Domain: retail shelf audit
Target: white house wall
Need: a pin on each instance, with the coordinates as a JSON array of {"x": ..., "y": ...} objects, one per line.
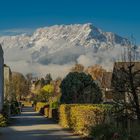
[{"x": 1, "y": 78}]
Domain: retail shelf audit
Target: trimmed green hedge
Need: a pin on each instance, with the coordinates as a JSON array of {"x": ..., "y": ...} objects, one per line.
[{"x": 82, "y": 117}]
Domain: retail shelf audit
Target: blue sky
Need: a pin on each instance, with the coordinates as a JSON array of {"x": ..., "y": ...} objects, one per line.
[{"x": 119, "y": 16}]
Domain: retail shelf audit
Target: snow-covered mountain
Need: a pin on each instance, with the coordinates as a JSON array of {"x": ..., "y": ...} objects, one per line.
[{"x": 63, "y": 44}]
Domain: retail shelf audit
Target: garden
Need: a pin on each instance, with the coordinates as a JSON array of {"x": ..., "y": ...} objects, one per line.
[
  {"x": 79, "y": 107},
  {"x": 76, "y": 103}
]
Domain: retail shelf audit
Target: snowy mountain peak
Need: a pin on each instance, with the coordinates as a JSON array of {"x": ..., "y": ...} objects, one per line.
[
  {"x": 86, "y": 35},
  {"x": 62, "y": 44}
]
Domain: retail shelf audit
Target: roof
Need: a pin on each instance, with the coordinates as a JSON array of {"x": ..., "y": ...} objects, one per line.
[
  {"x": 125, "y": 65},
  {"x": 121, "y": 74}
]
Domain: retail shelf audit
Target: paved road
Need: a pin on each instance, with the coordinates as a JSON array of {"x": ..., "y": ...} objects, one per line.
[{"x": 31, "y": 126}]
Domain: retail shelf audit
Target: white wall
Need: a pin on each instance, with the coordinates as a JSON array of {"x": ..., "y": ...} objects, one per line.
[
  {"x": 1, "y": 78},
  {"x": 7, "y": 83}
]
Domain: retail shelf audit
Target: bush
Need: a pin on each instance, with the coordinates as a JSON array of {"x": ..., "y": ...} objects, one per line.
[
  {"x": 4, "y": 116},
  {"x": 80, "y": 88},
  {"x": 15, "y": 108},
  {"x": 55, "y": 115},
  {"x": 81, "y": 118},
  {"x": 27, "y": 103},
  {"x": 39, "y": 106},
  {"x": 51, "y": 113},
  {"x": 3, "y": 120},
  {"x": 6, "y": 110},
  {"x": 48, "y": 110},
  {"x": 108, "y": 132},
  {"x": 54, "y": 105}
]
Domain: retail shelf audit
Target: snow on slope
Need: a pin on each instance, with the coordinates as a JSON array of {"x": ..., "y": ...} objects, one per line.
[{"x": 61, "y": 45}]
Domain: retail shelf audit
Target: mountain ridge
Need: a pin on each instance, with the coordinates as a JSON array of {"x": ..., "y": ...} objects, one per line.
[
  {"x": 62, "y": 45},
  {"x": 86, "y": 32}
]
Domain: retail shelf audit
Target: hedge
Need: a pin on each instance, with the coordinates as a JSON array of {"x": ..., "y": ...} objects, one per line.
[
  {"x": 39, "y": 106},
  {"x": 81, "y": 118},
  {"x": 44, "y": 109},
  {"x": 54, "y": 105},
  {"x": 49, "y": 110},
  {"x": 27, "y": 103}
]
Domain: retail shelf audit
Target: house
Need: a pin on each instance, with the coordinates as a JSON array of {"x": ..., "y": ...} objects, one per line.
[
  {"x": 1, "y": 78},
  {"x": 106, "y": 87},
  {"x": 121, "y": 79},
  {"x": 37, "y": 85},
  {"x": 7, "y": 83}
]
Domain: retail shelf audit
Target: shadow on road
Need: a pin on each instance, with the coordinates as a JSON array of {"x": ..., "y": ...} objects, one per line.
[{"x": 31, "y": 126}]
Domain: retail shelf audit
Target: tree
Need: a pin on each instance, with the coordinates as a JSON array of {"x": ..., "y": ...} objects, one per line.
[
  {"x": 57, "y": 90},
  {"x": 126, "y": 83},
  {"x": 48, "y": 78},
  {"x": 45, "y": 93},
  {"x": 48, "y": 88},
  {"x": 19, "y": 86},
  {"x": 78, "y": 68},
  {"x": 96, "y": 72},
  {"x": 80, "y": 88},
  {"x": 29, "y": 78}
]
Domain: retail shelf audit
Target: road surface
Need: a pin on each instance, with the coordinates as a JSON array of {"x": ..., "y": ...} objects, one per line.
[{"x": 31, "y": 126}]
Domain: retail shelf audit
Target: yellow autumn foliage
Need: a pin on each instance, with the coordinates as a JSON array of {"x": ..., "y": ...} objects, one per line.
[
  {"x": 48, "y": 88},
  {"x": 80, "y": 117},
  {"x": 39, "y": 105}
]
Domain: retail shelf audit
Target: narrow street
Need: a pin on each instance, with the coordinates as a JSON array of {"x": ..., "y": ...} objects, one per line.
[{"x": 31, "y": 126}]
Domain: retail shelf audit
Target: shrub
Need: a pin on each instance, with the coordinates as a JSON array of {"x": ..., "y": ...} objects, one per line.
[
  {"x": 54, "y": 105},
  {"x": 4, "y": 116},
  {"x": 48, "y": 110},
  {"x": 27, "y": 103},
  {"x": 81, "y": 118},
  {"x": 15, "y": 108},
  {"x": 80, "y": 88},
  {"x": 55, "y": 114},
  {"x": 108, "y": 132},
  {"x": 39, "y": 106},
  {"x": 6, "y": 110},
  {"x": 3, "y": 120}
]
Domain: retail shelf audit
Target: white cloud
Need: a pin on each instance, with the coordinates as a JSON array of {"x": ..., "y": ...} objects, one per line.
[
  {"x": 39, "y": 69},
  {"x": 55, "y": 49},
  {"x": 17, "y": 31},
  {"x": 21, "y": 61},
  {"x": 102, "y": 57}
]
